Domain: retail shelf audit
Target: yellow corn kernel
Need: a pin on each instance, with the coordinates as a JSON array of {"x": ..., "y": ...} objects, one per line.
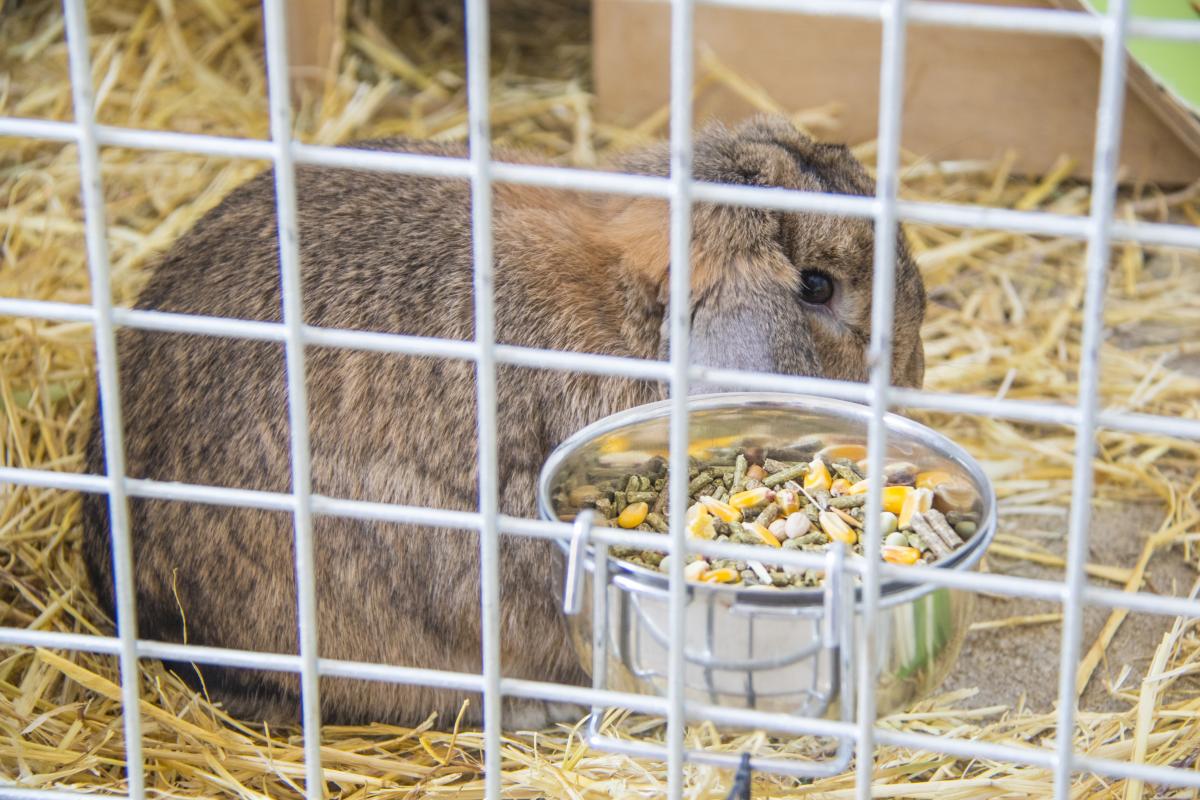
[
  {"x": 702, "y": 446},
  {"x": 932, "y": 479},
  {"x": 788, "y": 501},
  {"x": 702, "y": 527},
  {"x": 854, "y": 452},
  {"x": 695, "y": 570},
  {"x": 901, "y": 555},
  {"x": 722, "y": 575},
  {"x": 840, "y": 486},
  {"x": 614, "y": 444},
  {"x": 749, "y": 498},
  {"x": 695, "y": 510},
  {"x": 894, "y": 497},
  {"x": 722, "y": 511},
  {"x": 817, "y": 476},
  {"x": 918, "y": 501},
  {"x": 836, "y": 528},
  {"x": 761, "y": 532},
  {"x": 633, "y": 515}
]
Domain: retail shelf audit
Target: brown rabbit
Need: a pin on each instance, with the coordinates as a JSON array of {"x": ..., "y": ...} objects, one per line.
[{"x": 786, "y": 293}]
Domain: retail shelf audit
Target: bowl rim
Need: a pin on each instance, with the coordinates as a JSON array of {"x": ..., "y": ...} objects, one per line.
[{"x": 891, "y": 592}]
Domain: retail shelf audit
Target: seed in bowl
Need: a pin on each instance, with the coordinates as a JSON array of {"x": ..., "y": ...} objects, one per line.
[{"x": 795, "y": 498}]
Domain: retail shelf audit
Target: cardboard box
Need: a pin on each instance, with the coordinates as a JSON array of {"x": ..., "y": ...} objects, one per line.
[{"x": 969, "y": 94}]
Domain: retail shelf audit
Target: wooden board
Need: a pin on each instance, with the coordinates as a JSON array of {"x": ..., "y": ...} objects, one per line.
[{"x": 968, "y": 93}]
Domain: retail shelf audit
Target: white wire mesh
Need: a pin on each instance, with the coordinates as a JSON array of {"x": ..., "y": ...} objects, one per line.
[
  {"x": 679, "y": 311},
  {"x": 879, "y": 357},
  {"x": 1098, "y": 228},
  {"x": 279, "y": 99},
  {"x": 1104, "y": 188}
]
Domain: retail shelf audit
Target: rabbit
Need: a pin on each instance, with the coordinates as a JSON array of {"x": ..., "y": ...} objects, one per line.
[{"x": 771, "y": 291}]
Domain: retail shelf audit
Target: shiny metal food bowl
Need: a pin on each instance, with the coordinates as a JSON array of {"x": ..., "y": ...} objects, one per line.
[{"x": 780, "y": 650}]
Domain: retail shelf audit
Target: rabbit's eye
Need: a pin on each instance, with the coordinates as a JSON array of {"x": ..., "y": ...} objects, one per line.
[{"x": 815, "y": 287}]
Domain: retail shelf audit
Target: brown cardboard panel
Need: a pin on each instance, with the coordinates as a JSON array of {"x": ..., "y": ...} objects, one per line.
[
  {"x": 1183, "y": 121},
  {"x": 968, "y": 94}
]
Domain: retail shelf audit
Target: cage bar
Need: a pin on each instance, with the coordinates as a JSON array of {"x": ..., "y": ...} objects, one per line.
[
  {"x": 479, "y": 127},
  {"x": 279, "y": 98},
  {"x": 679, "y": 312},
  {"x": 96, "y": 235},
  {"x": 1104, "y": 189},
  {"x": 879, "y": 358}
]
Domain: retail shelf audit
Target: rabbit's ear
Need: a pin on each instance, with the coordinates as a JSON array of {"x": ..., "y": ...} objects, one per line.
[{"x": 641, "y": 231}]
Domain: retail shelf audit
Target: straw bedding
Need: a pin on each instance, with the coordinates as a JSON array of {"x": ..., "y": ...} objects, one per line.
[{"x": 1004, "y": 319}]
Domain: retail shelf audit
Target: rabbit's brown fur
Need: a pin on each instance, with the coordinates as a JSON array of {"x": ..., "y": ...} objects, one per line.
[{"x": 385, "y": 252}]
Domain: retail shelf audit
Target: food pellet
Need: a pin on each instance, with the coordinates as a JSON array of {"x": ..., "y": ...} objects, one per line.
[{"x": 800, "y": 497}]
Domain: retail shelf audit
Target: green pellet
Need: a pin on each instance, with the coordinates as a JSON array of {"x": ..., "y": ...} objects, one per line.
[
  {"x": 739, "y": 473},
  {"x": 788, "y": 474},
  {"x": 845, "y": 468},
  {"x": 767, "y": 515},
  {"x": 702, "y": 478},
  {"x": 848, "y": 501}
]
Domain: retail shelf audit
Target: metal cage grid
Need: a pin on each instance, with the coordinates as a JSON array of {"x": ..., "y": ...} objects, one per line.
[{"x": 1098, "y": 229}]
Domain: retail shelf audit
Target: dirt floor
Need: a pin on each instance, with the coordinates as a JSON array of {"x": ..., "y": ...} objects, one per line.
[{"x": 1019, "y": 664}]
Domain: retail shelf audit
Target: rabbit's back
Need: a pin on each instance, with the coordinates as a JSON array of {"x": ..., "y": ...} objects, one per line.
[{"x": 379, "y": 252}]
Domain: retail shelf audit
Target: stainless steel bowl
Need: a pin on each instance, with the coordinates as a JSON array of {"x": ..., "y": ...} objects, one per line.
[{"x": 780, "y": 650}]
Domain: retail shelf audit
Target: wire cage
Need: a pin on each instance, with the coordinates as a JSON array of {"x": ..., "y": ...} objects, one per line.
[{"x": 1098, "y": 228}]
